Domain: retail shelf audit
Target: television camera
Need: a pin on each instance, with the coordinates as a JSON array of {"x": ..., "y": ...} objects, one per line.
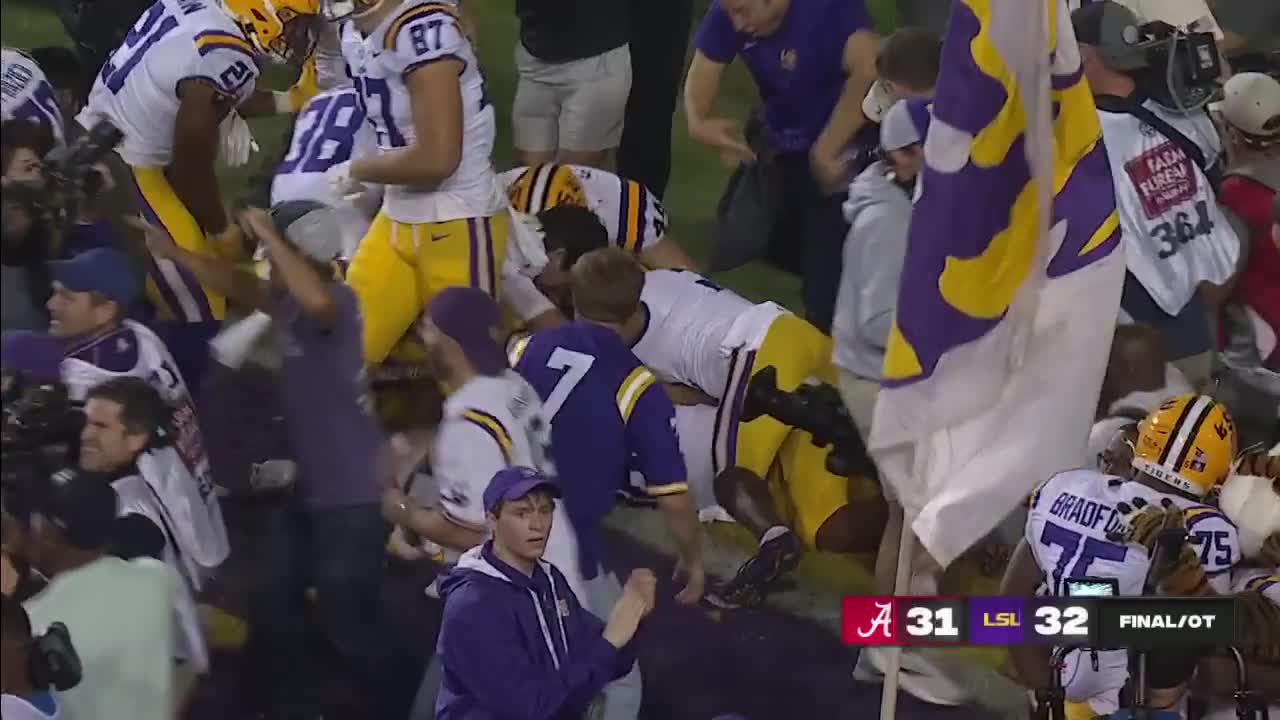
[
  {"x": 1181, "y": 67},
  {"x": 69, "y": 176},
  {"x": 39, "y": 437}
]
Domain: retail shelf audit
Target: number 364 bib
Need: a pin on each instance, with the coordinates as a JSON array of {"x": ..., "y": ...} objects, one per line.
[{"x": 1175, "y": 235}]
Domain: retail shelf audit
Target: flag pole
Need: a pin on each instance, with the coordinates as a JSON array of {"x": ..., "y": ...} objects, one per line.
[{"x": 901, "y": 582}]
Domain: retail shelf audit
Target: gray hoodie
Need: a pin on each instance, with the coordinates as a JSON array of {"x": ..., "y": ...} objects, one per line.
[{"x": 879, "y": 214}]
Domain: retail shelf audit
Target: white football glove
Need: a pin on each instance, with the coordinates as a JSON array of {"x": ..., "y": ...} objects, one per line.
[
  {"x": 237, "y": 141},
  {"x": 341, "y": 182}
]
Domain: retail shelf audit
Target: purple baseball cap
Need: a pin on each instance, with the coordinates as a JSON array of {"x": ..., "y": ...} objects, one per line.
[
  {"x": 36, "y": 355},
  {"x": 513, "y": 483},
  {"x": 470, "y": 316}
]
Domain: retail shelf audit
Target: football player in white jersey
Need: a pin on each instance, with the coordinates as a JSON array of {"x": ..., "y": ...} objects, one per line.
[
  {"x": 183, "y": 68},
  {"x": 492, "y": 419},
  {"x": 330, "y": 130},
  {"x": 25, "y": 93},
  {"x": 634, "y": 217},
  {"x": 769, "y": 476},
  {"x": 444, "y": 219},
  {"x": 1078, "y": 526}
]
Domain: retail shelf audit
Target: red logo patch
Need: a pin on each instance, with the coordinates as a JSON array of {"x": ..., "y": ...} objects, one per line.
[{"x": 1164, "y": 177}]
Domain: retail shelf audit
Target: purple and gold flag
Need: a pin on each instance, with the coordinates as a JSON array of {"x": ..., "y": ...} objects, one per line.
[{"x": 1011, "y": 285}]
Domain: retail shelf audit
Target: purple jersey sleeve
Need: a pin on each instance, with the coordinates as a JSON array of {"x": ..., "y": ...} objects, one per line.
[
  {"x": 655, "y": 447},
  {"x": 716, "y": 38}
]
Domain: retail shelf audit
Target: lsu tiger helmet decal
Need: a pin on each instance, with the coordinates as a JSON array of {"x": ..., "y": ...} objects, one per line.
[
  {"x": 1189, "y": 442},
  {"x": 546, "y": 186},
  {"x": 283, "y": 30}
]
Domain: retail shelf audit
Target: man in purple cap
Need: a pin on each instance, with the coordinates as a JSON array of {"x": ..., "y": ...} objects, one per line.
[
  {"x": 515, "y": 641},
  {"x": 492, "y": 419}
]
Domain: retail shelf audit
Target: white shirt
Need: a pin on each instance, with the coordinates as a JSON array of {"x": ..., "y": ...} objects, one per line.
[
  {"x": 186, "y": 486},
  {"x": 689, "y": 320},
  {"x": 138, "y": 88},
  {"x": 134, "y": 496},
  {"x": 120, "y": 617},
  {"x": 25, "y": 92},
  {"x": 330, "y": 130},
  {"x": 491, "y": 423},
  {"x": 423, "y": 32},
  {"x": 1174, "y": 233},
  {"x": 13, "y": 707}
]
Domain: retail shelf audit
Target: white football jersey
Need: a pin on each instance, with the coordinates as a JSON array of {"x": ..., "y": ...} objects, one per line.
[
  {"x": 422, "y": 32},
  {"x": 689, "y": 320},
  {"x": 633, "y": 216},
  {"x": 491, "y": 423},
  {"x": 25, "y": 93},
  {"x": 137, "y": 89},
  {"x": 1074, "y": 514},
  {"x": 330, "y": 130},
  {"x": 1174, "y": 233},
  {"x": 181, "y": 475},
  {"x": 1068, "y": 529}
]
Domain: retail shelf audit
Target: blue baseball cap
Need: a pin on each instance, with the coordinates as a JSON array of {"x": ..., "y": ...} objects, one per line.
[
  {"x": 35, "y": 355},
  {"x": 470, "y": 316},
  {"x": 513, "y": 483},
  {"x": 108, "y": 272}
]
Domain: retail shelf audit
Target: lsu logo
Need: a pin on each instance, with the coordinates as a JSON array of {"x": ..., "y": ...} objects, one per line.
[{"x": 1003, "y": 619}]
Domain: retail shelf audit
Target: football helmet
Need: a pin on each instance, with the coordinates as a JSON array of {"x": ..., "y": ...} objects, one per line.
[
  {"x": 283, "y": 30},
  {"x": 546, "y": 186},
  {"x": 1189, "y": 442}
]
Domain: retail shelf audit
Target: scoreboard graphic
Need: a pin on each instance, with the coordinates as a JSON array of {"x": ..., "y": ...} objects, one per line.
[{"x": 1143, "y": 623}]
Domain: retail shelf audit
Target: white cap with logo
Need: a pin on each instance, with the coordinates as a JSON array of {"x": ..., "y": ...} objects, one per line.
[{"x": 1251, "y": 105}]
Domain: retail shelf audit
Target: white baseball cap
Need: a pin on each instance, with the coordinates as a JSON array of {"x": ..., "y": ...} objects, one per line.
[
  {"x": 905, "y": 124},
  {"x": 877, "y": 102},
  {"x": 1251, "y": 104}
]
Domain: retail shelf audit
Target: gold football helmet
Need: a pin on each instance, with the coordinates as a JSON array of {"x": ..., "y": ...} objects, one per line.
[
  {"x": 546, "y": 186},
  {"x": 283, "y": 30},
  {"x": 1189, "y": 442}
]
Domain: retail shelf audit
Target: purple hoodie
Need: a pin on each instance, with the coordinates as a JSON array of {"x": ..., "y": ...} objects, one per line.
[{"x": 517, "y": 647}]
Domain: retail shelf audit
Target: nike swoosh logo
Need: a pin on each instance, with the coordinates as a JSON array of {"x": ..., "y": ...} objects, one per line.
[{"x": 438, "y": 238}]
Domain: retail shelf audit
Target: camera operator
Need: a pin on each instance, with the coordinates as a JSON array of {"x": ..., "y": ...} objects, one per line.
[
  {"x": 24, "y": 669},
  {"x": 27, "y": 233},
  {"x": 125, "y": 418},
  {"x": 1165, "y": 159},
  {"x": 119, "y": 612}
]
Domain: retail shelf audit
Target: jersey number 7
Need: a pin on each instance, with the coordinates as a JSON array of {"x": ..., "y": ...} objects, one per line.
[{"x": 575, "y": 366}]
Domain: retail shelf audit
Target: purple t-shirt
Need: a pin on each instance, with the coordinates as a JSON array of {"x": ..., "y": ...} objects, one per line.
[
  {"x": 327, "y": 407},
  {"x": 799, "y": 70}
]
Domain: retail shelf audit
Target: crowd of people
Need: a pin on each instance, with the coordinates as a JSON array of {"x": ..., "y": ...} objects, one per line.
[{"x": 415, "y": 357}]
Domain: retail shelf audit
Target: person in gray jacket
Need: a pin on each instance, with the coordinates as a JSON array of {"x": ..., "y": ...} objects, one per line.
[{"x": 879, "y": 215}]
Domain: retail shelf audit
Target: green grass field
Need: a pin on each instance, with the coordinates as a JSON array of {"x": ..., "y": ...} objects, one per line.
[{"x": 697, "y": 177}]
